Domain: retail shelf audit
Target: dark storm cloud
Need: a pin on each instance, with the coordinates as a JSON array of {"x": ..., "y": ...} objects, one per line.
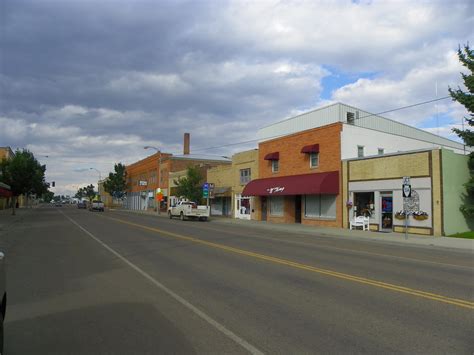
[
  {"x": 66, "y": 51},
  {"x": 92, "y": 82}
]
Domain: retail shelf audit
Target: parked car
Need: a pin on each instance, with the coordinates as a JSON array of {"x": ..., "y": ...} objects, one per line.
[
  {"x": 3, "y": 295},
  {"x": 97, "y": 205},
  {"x": 187, "y": 209},
  {"x": 58, "y": 204},
  {"x": 82, "y": 204}
]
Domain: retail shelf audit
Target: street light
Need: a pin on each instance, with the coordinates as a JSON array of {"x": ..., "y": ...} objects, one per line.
[
  {"x": 100, "y": 179},
  {"x": 151, "y": 147},
  {"x": 100, "y": 176}
]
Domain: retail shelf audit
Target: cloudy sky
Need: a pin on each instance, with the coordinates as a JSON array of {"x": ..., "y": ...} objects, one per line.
[{"x": 85, "y": 84}]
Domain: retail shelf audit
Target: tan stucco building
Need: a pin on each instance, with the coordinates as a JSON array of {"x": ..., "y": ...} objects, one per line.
[
  {"x": 105, "y": 197},
  {"x": 372, "y": 186},
  {"x": 229, "y": 182}
]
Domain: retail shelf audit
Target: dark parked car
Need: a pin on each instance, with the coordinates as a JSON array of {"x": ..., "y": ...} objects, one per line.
[{"x": 82, "y": 204}]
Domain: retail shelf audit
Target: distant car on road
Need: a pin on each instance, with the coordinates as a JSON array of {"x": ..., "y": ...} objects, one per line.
[
  {"x": 3, "y": 295},
  {"x": 58, "y": 204},
  {"x": 82, "y": 204},
  {"x": 97, "y": 205}
]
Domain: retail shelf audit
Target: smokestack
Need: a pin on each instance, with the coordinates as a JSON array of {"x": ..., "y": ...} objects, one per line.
[{"x": 187, "y": 140}]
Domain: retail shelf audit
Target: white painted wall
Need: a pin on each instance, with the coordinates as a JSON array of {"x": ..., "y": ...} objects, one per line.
[
  {"x": 352, "y": 136},
  {"x": 420, "y": 185}
]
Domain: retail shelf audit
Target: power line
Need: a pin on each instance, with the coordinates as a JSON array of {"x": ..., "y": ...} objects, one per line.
[{"x": 369, "y": 115}]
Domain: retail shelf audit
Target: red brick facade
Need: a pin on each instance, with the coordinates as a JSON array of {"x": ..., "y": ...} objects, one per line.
[{"x": 293, "y": 162}]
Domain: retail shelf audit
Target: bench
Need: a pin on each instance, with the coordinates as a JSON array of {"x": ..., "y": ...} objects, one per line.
[{"x": 360, "y": 221}]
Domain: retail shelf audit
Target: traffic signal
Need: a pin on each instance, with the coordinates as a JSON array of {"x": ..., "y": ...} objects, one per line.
[{"x": 53, "y": 183}]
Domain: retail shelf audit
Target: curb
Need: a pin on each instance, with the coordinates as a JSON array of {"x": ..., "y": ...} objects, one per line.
[{"x": 458, "y": 244}]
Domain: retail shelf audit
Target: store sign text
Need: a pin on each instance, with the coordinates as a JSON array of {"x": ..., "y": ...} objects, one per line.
[{"x": 276, "y": 189}]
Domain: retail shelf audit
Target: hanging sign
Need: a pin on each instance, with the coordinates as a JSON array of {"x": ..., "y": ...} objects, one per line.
[
  {"x": 205, "y": 190},
  {"x": 406, "y": 187}
]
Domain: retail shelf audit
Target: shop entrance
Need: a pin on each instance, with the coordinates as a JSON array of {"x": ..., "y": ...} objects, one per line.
[
  {"x": 386, "y": 205},
  {"x": 242, "y": 208},
  {"x": 298, "y": 209},
  {"x": 264, "y": 208}
]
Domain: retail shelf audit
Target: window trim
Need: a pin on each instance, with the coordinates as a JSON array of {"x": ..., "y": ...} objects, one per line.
[
  {"x": 311, "y": 160},
  {"x": 244, "y": 179},
  {"x": 275, "y": 162}
]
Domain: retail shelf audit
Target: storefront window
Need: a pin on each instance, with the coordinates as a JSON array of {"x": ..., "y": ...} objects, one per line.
[
  {"x": 276, "y": 205},
  {"x": 364, "y": 203},
  {"x": 320, "y": 206}
]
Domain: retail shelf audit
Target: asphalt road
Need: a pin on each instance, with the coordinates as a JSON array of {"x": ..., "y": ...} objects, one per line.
[{"x": 83, "y": 282}]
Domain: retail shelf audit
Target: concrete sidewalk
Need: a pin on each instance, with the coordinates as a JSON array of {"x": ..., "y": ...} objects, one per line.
[{"x": 382, "y": 237}]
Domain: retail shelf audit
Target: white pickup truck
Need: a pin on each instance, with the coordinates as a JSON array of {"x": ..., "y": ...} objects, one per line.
[
  {"x": 97, "y": 205},
  {"x": 186, "y": 209}
]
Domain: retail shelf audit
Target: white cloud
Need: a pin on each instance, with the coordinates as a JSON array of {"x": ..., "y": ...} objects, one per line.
[
  {"x": 417, "y": 85},
  {"x": 171, "y": 84},
  {"x": 217, "y": 70}
]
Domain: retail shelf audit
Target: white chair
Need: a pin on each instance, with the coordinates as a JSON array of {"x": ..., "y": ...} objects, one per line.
[{"x": 360, "y": 221}]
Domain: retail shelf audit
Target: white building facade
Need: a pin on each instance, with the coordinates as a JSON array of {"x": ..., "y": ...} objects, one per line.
[{"x": 363, "y": 133}]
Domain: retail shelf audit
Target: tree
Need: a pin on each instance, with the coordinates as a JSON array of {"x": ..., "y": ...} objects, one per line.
[
  {"x": 116, "y": 183},
  {"x": 90, "y": 192},
  {"x": 80, "y": 194},
  {"x": 190, "y": 186},
  {"x": 48, "y": 196},
  {"x": 24, "y": 174},
  {"x": 466, "y": 99}
]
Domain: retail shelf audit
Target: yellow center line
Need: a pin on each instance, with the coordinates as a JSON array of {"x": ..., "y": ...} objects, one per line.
[
  {"x": 340, "y": 275},
  {"x": 298, "y": 242}
]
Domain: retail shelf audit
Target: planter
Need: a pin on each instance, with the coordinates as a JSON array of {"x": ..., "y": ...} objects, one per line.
[
  {"x": 400, "y": 216},
  {"x": 420, "y": 218}
]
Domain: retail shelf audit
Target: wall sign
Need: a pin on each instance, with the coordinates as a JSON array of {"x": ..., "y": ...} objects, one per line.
[
  {"x": 276, "y": 189},
  {"x": 406, "y": 187}
]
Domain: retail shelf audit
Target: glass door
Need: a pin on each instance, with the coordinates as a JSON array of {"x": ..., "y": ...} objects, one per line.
[{"x": 386, "y": 214}]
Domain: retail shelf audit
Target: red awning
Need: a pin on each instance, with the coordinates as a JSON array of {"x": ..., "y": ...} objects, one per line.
[
  {"x": 313, "y": 148},
  {"x": 272, "y": 156},
  {"x": 5, "y": 192},
  {"x": 307, "y": 184}
]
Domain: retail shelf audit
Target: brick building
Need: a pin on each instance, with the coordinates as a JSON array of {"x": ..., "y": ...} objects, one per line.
[
  {"x": 299, "y": 178},
  {"x": 147, "y": 175},
  {"x": 143, "y": 178},
  {"x": 300, "y": 161}
]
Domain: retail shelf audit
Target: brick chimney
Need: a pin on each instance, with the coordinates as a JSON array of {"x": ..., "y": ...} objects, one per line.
[{"x": 187, "y": 139}]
